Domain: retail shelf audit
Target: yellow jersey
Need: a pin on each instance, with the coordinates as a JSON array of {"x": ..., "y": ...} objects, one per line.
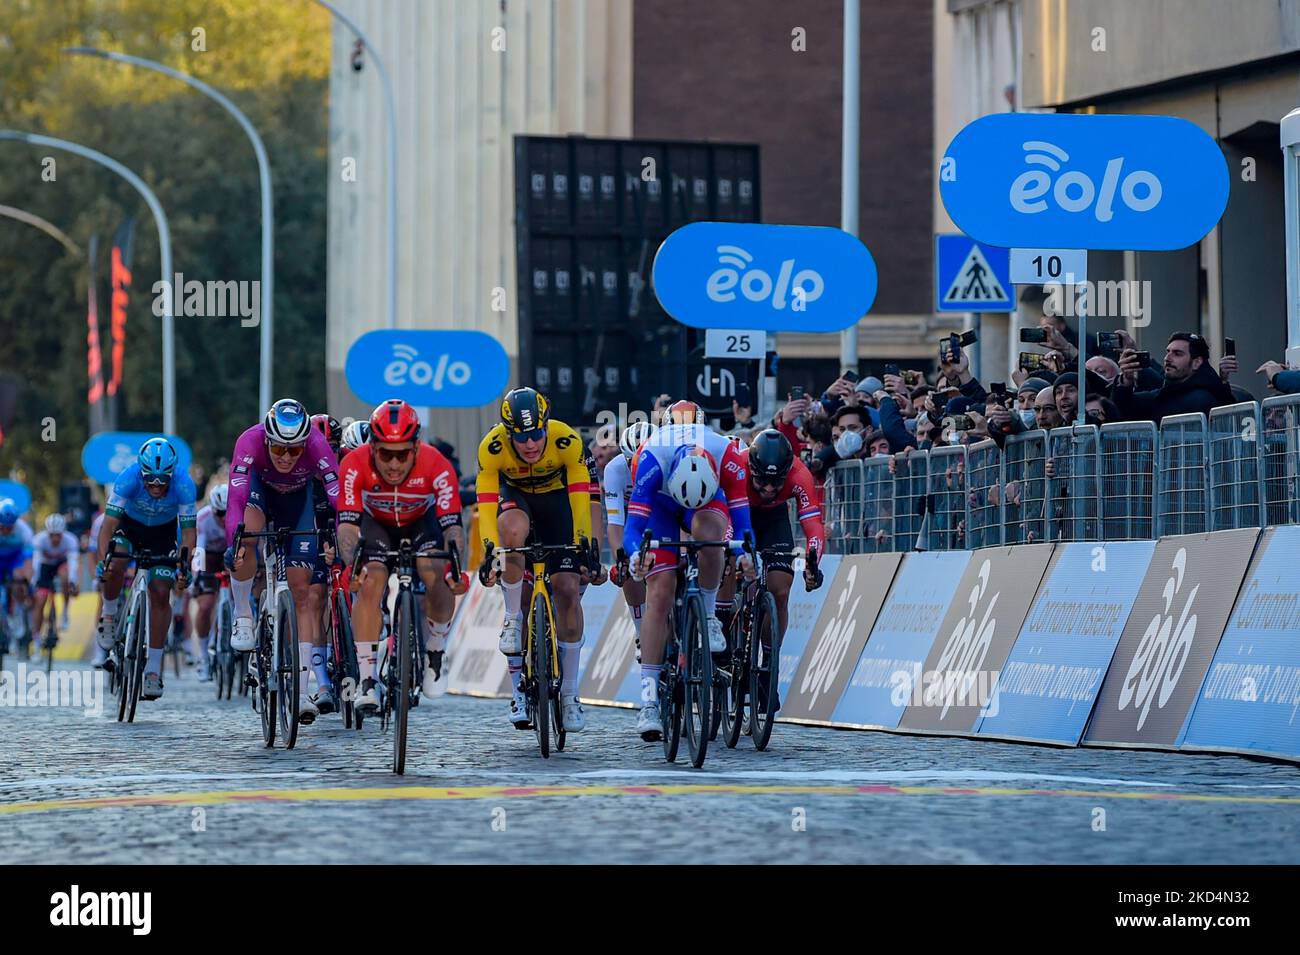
[{"x": 562, "y": 465}]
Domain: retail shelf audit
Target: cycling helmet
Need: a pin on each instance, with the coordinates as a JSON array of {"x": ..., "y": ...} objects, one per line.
[
  {"x": 685, "y": 412},
  {"x": 355, "y": 435},
  {"x": 633, "y": 436},
  {"x": 692, "y": 478},
  {"x": 525, "y": 413},
  {"x": 329, "y": 426},
  {"x": 56, "y": 524},
  {"x": 157, "y": 459},
  {"x": 770, "y": 457},
  {"x": 394, "y": 422},
  {"x": 217, "y": 497},
  {"x": 8, "y": 512},
  {"x": 287, "y": 423}
]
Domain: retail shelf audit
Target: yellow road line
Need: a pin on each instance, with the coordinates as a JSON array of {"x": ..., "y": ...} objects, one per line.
[{"x": 379, "y": 794}]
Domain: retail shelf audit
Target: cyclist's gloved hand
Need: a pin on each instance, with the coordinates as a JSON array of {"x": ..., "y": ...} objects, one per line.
[
  {"x": 487, "y": 570},
  {"x": 457, "y": 585}
]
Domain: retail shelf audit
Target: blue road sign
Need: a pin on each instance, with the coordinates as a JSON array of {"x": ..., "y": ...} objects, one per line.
[
  {"x": 17, "y": 493},
  {"x": 108, "y": 453},
  {"x": 971, "y": 276}
]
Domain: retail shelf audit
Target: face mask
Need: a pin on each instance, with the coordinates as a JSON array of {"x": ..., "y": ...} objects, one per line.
[
  {"x": 849, "y": 444},
  {"x": 1029, "y": 418},
  {"x": 954, "y": 438}
]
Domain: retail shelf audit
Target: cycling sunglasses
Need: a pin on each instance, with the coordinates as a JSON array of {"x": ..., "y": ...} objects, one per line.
[
  {"x": 387, "y": 455},
  {"x": 158, "y": 481},
  {"x": 281, "y": 450},
  {"x": 529, "y": 437},
  {"x": 770, "y": 483}
]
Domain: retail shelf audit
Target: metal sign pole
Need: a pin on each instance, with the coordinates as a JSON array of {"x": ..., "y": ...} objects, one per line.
[{"x": 1290, "y": 137}]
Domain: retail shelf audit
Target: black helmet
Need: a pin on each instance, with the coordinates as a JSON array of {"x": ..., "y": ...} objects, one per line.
[
  {"x": 525, "y": 413},
  {"x": 770, "y": 457}
]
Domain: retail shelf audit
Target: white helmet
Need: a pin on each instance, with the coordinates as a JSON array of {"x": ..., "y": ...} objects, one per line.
[
  {"x": 633, "y": 436},
  {"x": 287, "y": 422},
  {"x": 356, "y": 434},
  {"x": 56, "y": 524},
  {"x": 692, "y": 479},
  {"x": 217, "y": 497}
]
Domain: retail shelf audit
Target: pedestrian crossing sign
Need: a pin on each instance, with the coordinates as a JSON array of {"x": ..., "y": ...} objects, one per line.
[{"x": 971, "y": 276}]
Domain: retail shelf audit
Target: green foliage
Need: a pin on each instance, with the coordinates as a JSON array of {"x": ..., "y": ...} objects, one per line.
[{"x": 271, "y": 57}]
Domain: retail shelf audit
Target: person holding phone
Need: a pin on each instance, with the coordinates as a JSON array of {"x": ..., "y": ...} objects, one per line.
[{"x": 1191, "y": 384}]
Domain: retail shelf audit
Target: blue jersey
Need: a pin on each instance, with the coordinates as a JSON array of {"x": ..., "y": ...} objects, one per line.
[
  {"x": 16, "y": 543},
  {"x": 131, "y": 498}
]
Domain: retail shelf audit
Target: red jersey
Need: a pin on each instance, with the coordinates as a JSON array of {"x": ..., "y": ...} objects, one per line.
[
  {"x": 799, "y": 484},
  {"x": 432, "y": 483}
]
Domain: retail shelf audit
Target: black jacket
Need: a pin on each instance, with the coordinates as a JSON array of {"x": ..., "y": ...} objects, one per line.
[{"x": 1200, "y": 391}]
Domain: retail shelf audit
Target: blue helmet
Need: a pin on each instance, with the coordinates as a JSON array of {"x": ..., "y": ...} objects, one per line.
[
  {"x": 8, "y": 512},
  {"x": 157, "y": 460},
  {"x": 287, "y": 422}
]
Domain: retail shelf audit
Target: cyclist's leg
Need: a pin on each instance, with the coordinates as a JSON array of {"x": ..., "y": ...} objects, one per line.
[
  {"x": 772, "y": 529},
  {"x": 366, "y": 611},
  {"x": 318, "y": 604},
  {"x": 660, "y": 588},
  {"x": 514, "y": 524},
  {"x": 711, "y": 522},
  {"x": 439, "y": 603},
  {"x": 44, "y": 591},
  {"x": 553, "y": 524},
  {"x": 115, "y": 576},
  {"x": 241, "y": 579},
  {"x": 67, "y": 593}
]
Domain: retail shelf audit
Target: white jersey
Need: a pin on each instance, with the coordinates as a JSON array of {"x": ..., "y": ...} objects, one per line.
[
  {"x": 616, "y": 484},
  {"x": 211, "y": 532},
  {"x": 50, "y": 550}
]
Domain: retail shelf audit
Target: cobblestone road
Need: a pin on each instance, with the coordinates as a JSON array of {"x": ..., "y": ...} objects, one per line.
[{"x": 191, "y": 783}]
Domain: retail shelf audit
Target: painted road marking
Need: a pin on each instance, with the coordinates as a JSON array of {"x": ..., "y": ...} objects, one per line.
[{"x": 415, "y": 793}]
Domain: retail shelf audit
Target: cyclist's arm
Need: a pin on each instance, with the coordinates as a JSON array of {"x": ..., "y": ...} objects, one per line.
[
  {"x": 734, "y": 480},
  {"x": 578, "y": 480},
  {"x": 107, "y": 528},
  {"x": 810, "y": 513},
  {"x": 487, "y": 487},
  {"x": 649, "y": 479},
  {"x": 327, "y": 466},
  {"x": 446, "y": 501},
  {"x": 613, "y": 493},
  {"x": 74, "y": 555},
  {"x": 352, "y": 480}
]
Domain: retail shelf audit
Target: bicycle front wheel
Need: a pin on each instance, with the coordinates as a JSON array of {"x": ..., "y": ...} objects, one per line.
[
  {"x": 137, "y": 651},
  {"x": 764, "y": 671},
  {"x": 697, "y": 709},
  {"x": 268, "y": 697},
  {"x": 407, "y": 642},
  {"x": 348, "y": 674},
  {"x": 290, "y": 667},
  {"x": 539, "y": 647},
  {"x": 733, "y": 702}
]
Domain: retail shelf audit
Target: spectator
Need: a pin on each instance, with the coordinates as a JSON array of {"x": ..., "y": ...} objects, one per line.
[
  {"x": 742, "y": 408},
  {"x": 1045, "y": 412},
  {"x": 893, "y": 426},
  {"x": 1025, "y": 399},
  {"x": 1104, "y": 368},
  {"x": 1102, "y": 409},
  {"x": 877, "y": 445},
  {"x": 1280, "y": 378},
  {"x": 1190, "y": 382},
  {"x": 1065, "y": 392}
]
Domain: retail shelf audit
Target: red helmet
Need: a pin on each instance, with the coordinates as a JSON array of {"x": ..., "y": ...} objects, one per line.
[
  {"x": 684, "y": 412},
  {"x": 329, "y": 426},
  {"x": 394, "y": 422}
]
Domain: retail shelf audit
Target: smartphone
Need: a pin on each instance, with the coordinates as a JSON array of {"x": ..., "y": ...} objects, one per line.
[
  {"x": 950, "y": 348},
  {"x": 851, "y": 376},
  {"x": 1229, "y": 347},
  {"x": 1033, "y": 336},
  {"x": 1144, "y": 359},
  {"x": 961, "y": 422},
  {"x": 1109, "y": 342},
  {"x": 1030, "y": 361},
  {"x": 911, "y": 378},
  {"x": 891, "y": 368},
  {"x": 796, "y": 392},
  {"x": 998, "y": 389}
]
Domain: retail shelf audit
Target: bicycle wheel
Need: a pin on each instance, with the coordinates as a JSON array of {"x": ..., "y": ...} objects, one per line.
[
  {"x": 51, "y": 635},
  {"x": 764, "y": 670},
  {"x": 539, "y": 647},
  {"x": 347, "y": 672},
  {"x": 670, "y": 707},
  {"x": 290, "y": 664},
  {"x": 733, "y": 714},
  {"x": 226, "y": 657},
  {"x": 137, "y": 650},
  {"x": 407, "y": 643},
  {"x": 267, "y": 693},
  {"x": 120, "y": 682},
  {"x": 697, "y": 709}
]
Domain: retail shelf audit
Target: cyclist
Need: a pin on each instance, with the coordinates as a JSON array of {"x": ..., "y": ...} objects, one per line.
[
  {"x": 92, "y": 545},
  {"x": 776, "y": 476},
  {"x": 686, "y": 478},
  {"x": 15, "y": 561},
  {"x": 684, "y": 412},
  {"x": 355, "y": 435},
  {"x": 150, "y": 499},
  {"x": 400, "y": 488},
  {"x": 325, "y": 698},
  {"x": 533, "y": 480},
  {"x": 271, "y": 474},
  {"x": 56, "y": 553},
  {"x": 617, "y": 483},
  {"x": 209, "y": 558}
]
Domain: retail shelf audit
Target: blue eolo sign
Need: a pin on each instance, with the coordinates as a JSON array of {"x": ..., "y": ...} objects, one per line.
[
  {"x": 1029, "y": 180},
  {"x": 436, "y": 368},
  {"x": 778, "y": 278},
  {"x": 16, "y": 492},
  {"x": 107, "y": 454}
]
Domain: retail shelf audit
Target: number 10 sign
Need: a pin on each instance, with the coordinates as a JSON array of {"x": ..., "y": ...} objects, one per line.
[
  {"x": 735, "y": 343},
  {"x": 1049, "y": 266}
]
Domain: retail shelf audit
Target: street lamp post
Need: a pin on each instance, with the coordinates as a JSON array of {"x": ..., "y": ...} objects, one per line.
[
  {"x": 268, "y": 211},
  {"x": 49, "y": 228},
  {"x": 164, "y": 253},
  {"x": 391, "y": 109}
]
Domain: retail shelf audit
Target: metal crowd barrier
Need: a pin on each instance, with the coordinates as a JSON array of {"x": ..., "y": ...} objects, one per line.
[
  {"x": 1280, "y": 455},
  {"x": 1128, "y": 467},
  {"x": 1182, "y": 504},
  {"x": 1236, "y": 479},
  {"x": 1129, "y": 480},
  {"x": 1072, "y": 492}
]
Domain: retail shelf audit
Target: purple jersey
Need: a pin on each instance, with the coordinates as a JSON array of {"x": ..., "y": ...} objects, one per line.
[{"x": 251, "y": 457}]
